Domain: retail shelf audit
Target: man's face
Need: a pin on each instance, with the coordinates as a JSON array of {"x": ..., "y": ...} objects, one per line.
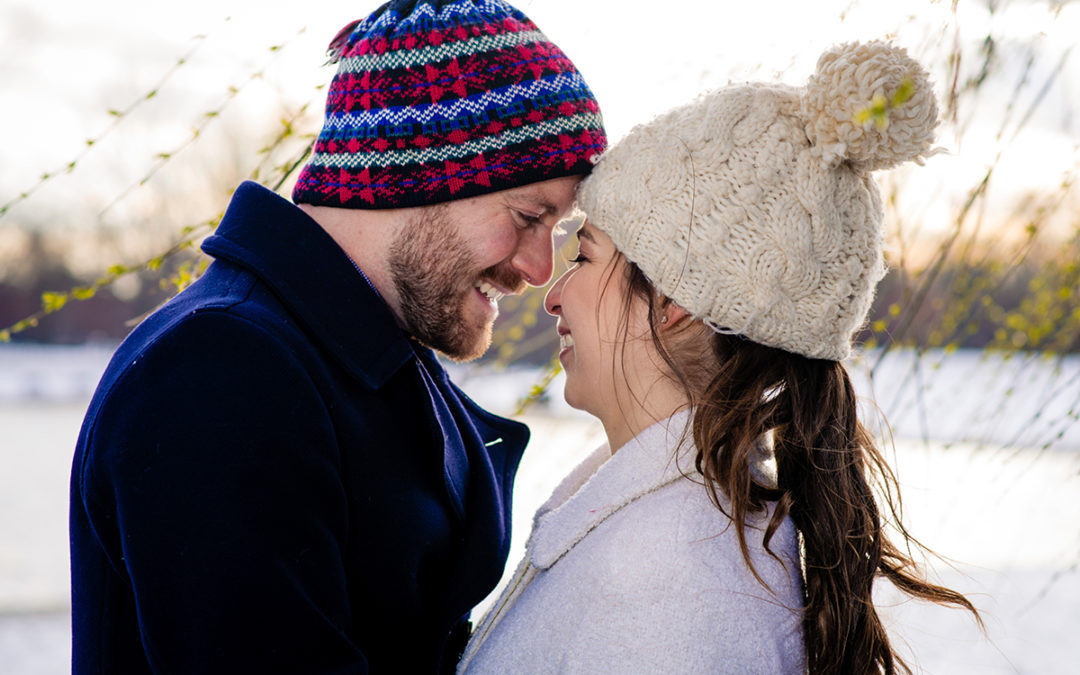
[{"x": 452, "y": 262}]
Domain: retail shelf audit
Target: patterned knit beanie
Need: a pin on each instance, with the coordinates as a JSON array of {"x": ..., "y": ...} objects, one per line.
[
  {"x": 445, "y": 99},
  {"x": 753, "y": 207}
]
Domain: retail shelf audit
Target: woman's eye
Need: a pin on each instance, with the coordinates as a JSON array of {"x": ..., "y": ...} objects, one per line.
[{"x": 578, "y": 259}]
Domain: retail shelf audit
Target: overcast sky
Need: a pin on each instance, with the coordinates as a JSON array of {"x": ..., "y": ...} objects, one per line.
[{"x": 66, "y": 63}]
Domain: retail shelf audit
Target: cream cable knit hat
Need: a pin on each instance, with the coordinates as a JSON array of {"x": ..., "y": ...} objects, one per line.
[{"x": 753, "y": 207}]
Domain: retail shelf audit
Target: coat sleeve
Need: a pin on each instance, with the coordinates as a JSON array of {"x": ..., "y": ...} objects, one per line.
[{"x": 213, "y": 484}]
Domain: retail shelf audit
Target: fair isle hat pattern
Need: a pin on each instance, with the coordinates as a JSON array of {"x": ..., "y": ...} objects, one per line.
[
  {"x": 754, "y": 207},
  {"x": 437, "y": 100}
]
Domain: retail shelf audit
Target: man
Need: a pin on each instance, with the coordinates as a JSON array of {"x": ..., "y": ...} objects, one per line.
[{"x": 275, "y": 474}]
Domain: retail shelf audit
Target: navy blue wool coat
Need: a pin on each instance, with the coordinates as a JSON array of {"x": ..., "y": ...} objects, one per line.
[{"x": 273, "y": 478}]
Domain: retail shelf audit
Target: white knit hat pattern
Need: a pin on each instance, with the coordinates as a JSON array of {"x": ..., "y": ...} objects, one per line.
[{"x": 754, "y": 208}]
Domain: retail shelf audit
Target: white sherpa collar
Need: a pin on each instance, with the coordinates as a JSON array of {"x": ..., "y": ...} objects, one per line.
[{"x": 600, "y": 486}]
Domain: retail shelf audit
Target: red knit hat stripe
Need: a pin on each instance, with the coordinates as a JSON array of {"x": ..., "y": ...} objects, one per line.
[
  {"x": 436, "y": 182},
  {"x": 446, "y": 80}
]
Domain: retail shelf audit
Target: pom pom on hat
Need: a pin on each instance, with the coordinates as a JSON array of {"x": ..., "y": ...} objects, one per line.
[{"x": 870, "y": 104}]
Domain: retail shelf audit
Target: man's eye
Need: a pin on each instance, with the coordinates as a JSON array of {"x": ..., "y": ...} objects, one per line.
[{"x": 528, "y": 220}]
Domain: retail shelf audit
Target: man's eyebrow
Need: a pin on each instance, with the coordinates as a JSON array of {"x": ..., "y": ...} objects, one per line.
[{"x": 544, "y": 206}]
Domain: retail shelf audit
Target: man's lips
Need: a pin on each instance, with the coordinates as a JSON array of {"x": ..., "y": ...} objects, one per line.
[{"x": 490, "y": 291}]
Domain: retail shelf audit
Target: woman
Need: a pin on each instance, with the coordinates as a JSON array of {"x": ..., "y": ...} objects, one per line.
[{"x": 732, "y": 523}]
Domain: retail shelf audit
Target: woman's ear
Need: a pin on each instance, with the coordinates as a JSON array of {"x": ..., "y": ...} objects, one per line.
[{"x": 671, "y": 313}]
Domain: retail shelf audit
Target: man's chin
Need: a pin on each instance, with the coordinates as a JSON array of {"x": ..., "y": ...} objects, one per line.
[
  {"x": 469, "y": 352},
  {"x": 460, "y": 348}
]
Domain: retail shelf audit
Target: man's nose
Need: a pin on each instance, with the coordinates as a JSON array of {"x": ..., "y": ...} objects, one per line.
[{"x": 534, "y": 257}]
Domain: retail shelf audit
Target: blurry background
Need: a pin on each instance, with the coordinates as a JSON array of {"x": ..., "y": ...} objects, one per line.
[{"x": 125, "y": 126}]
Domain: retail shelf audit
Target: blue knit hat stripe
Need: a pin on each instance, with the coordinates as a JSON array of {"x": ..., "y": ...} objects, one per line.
[
  {"x": 425, "y": 17},
  {"x": 550, "y": 90}
]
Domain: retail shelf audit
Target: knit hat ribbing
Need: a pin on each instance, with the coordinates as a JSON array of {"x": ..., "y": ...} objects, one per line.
[
  {"x": 445, "y": 99},
  {"x": 754, "y": 208}
]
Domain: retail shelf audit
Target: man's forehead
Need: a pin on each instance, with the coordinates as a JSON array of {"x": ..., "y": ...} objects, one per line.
[{"x": 553, "y": 195}]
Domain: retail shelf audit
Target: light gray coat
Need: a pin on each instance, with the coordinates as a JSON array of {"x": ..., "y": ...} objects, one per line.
[{"x": 631, "y": 568}]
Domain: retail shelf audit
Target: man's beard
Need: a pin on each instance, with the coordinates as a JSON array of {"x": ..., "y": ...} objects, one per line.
[{"x": 434, "y": 271}]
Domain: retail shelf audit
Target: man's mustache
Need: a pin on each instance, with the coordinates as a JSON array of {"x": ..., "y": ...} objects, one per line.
[{"x": 504, "y": 276}]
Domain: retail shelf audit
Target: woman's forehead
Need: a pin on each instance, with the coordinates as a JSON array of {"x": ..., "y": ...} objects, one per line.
[{"x": 593, "y": 234}]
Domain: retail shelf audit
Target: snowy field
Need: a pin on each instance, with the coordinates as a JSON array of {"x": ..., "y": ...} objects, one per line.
[{"x": 987, "y": 450}]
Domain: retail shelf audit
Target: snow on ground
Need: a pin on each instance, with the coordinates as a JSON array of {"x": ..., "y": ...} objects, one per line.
[
  {"x": 35, "y": 644},
  {"x": 1008, "y": 518},
  {"x": 36, "y": 442}
]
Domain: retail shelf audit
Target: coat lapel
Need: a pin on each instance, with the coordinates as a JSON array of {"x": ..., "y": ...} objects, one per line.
[
  {"x": 481, "y": 452},
  {"x": 307, "y": 270},
  {"x": 598, "y": 488}
]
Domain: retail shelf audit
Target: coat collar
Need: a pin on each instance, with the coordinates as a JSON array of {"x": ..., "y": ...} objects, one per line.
[
  {"x": 314, "y": 278},
  {"x": 601, "y": 486}
]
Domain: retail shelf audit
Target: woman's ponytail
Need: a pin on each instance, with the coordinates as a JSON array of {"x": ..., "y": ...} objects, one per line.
[{"x": 830, "y": 477}]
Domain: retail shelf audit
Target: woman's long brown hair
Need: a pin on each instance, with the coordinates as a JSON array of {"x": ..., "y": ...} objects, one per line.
[{"x": 827, "y": 470}]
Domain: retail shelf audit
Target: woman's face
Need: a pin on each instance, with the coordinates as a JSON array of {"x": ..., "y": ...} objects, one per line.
[{"x": 603, "y": 353}]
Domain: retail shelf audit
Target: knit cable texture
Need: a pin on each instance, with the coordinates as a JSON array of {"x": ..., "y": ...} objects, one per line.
[{"x": 753, "y": 207}]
